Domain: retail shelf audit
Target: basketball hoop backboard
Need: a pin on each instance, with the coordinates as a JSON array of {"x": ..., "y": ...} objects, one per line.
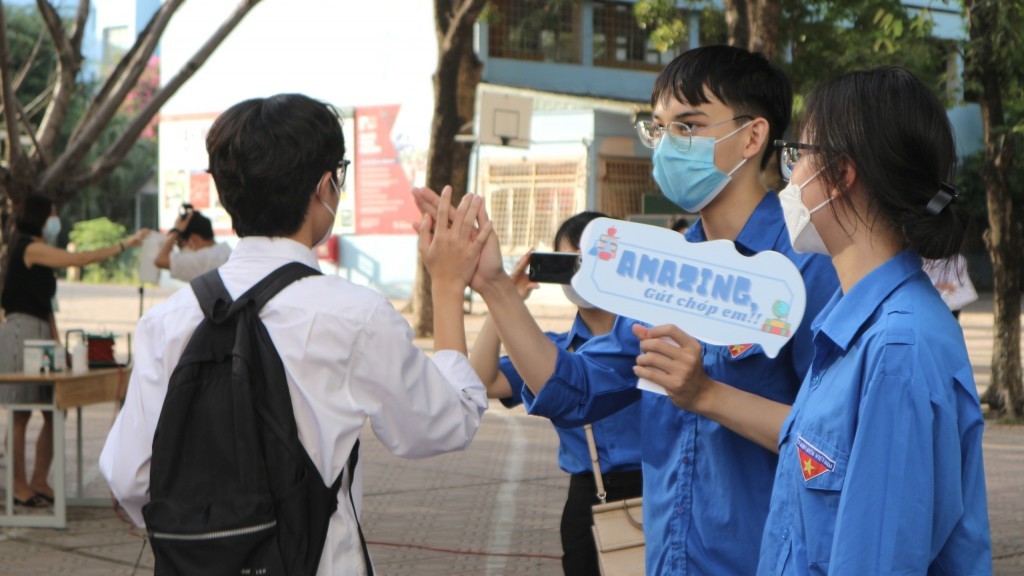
[{"x": 505, "y": 119}]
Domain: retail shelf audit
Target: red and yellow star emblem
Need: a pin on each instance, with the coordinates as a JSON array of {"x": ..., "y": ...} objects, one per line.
[{"x": 738, "y": 349}]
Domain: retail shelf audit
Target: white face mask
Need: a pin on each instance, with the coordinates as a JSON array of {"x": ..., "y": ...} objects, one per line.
[
  {"x": 802, "y": 234},
  {"x": 51, "y": 230},
  {"x": 575, "y": 298},
  {"x": 330, "y": 228}
]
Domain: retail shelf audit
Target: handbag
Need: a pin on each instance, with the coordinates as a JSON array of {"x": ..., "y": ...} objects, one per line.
[{"x": 618, "y": 526}]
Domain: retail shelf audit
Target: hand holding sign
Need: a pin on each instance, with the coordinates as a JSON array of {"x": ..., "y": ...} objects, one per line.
[{"x": 708, "y": 289}]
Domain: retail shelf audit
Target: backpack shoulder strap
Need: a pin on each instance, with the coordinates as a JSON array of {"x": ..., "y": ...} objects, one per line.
[
  {"x": 353, "y": 459},
  {"x": 214, "y": 299},
  {"x": 268, "y": 287}
]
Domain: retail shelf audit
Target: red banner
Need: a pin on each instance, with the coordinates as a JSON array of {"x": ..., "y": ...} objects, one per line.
[{"x": 383, "y": 202}]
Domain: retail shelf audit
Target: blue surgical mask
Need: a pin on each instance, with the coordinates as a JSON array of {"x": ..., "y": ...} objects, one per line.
[
  {"x": 51, "y": 230},
  {"x": 690, "y": 179}
]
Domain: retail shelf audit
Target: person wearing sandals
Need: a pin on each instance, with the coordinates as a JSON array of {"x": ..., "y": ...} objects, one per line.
[{"x": 27, "y": 300}]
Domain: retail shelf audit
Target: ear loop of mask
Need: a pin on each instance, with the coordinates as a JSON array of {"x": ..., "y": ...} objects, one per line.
[{"x": 730, "y": 135}]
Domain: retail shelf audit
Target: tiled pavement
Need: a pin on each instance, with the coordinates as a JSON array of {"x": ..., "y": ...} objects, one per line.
[{"x": 491, "y": 510}]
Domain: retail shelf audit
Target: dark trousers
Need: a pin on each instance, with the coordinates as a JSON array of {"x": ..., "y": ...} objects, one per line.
[{"x": 579, "y": 551}]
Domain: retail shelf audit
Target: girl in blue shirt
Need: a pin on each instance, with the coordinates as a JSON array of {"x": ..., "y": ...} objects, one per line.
[
  {"x": 880, "y": 459},
  {"x": 600, "y": 346}
]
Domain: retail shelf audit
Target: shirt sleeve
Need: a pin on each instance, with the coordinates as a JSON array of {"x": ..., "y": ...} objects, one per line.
[
  {"x": 515, "y": 381},
  {"x": 187, "y": 265},
  {"x": 906, "y": 488},
  {"x": 418, "y": 406},
  {"x": 587, "y": 386},
  {"x": 126, "y": 455}
]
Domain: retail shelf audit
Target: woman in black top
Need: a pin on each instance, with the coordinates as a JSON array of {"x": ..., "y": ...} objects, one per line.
[{"x": 27, "y": 297}]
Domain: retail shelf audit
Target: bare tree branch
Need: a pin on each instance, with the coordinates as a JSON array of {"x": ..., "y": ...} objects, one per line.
[
  {"x": 14, "y": 152},
  {"x": 99, "y": 113},
  {"x": 462, "y": 21},
  {"x": 102, "y": 167},
  {"x": 69, "y": 62},
  {"x": 28, "y": 129},
  {"x": 29, "y": 62},
  {"x": 78, "y": 28},
  {"x": 119, "y": 84}
]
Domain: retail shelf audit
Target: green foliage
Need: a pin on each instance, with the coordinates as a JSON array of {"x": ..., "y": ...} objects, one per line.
[
  {"x": 101, "y": 233},
  {"x": 663, "y": 21},
  {"x": 832, "y": 37}
]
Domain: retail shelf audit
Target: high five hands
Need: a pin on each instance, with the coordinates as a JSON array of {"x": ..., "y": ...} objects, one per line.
[
  {"x": 473, "y": 251},
  {"x": 451, "y": 241}
]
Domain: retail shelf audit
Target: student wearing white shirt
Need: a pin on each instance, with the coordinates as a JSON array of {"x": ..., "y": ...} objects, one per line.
[
  {"x": 197, "y": 253},
  {"x": 349, "y": 356}
]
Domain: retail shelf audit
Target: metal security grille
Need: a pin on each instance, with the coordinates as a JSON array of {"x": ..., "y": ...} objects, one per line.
[
  {"x": 544, "y": 30},
  {"x": 528, "y": 200},
  {"x": 620, "y": 42},
  {"x": 623, "y": 183}
]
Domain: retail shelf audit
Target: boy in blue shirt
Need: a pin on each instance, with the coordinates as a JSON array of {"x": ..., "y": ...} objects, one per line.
[{"x": 717, "y": 109}]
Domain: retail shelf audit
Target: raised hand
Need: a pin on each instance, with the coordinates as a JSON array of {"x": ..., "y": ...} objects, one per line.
[
  {"x": 136, "y": 239},
  {"x": 519, "y": 275},
  {"x": 451, "y": 244}
]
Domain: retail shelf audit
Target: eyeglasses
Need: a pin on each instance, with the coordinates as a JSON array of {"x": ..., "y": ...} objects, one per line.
[
  {"x": 341, "y": 172},
  {"x": 789, "y": 154},
  {"x": 680, "y": 134}
]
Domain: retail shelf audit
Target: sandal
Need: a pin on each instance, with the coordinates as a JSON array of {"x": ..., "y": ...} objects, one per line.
[
  {"x": 36, "y": 501},
  {"x": 45, "y": 497}
]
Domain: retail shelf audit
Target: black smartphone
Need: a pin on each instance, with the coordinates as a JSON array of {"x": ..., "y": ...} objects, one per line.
[
  {"x": 184, "y": 210},
  {"x": 553, "y": 267}
]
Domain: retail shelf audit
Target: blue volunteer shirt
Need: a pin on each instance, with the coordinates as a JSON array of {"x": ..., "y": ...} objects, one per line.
[
  {"x": 706, "y": 489},
  {"x": 880, "y": 466},
  {"x": 600, "y": 361}
]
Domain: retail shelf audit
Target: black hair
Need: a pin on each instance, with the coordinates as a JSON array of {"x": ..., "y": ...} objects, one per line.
[
  {"x": 572, "y": 229},
  {"x": 32, "y": 215},
  {"x": 267, "y": 156},
  {"x": 745, "y": 81},
  {"x": 200, "y": 226},
  {"x": 892, "y": 129},
  {"x": 680, "y": 225}
]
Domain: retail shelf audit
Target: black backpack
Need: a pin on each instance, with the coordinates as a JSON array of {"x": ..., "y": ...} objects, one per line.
[{"x": 232, "y": 491}]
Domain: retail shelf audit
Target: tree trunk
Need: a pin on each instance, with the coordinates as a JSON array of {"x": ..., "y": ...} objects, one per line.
[
  {"x": 736, "y": 22},
  {"x": 1003, "y": 238},
  {"x": 455, "y": 80},
  {"x": 763, "y": 22}
]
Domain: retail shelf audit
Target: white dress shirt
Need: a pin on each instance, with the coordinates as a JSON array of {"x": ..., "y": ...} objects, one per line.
[
  {"x": 187, "y": 264},
  {"x": 348, "y": 356}
]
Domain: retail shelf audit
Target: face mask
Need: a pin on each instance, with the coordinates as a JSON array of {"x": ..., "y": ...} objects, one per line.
[
  {"x": 51, "y": 229},
  {"x": 575, "y": 298},
  {"x": 690, "y": 179},
  {"x": 802, "y": 234},
  {"x": 330, "y": 228}
]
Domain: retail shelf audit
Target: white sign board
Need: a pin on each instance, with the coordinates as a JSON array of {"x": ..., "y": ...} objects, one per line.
[
  {"x": 148, "y": 272},
  {"x": 708, "y": 289}
]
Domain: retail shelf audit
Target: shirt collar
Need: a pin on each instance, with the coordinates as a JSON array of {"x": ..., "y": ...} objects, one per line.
[
  {"x": 578, "y": 331},
  {"x": 760, "y": 233},
  {"x": 844, "y": 316},
  {"x": 267, "y": 248}
]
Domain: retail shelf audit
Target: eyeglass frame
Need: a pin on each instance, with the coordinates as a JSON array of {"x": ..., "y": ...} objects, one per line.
[
  {"x": 780, "y": 146},
  {"x": 342, "y": 169},
  {"x": 676, "y": 139}
]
